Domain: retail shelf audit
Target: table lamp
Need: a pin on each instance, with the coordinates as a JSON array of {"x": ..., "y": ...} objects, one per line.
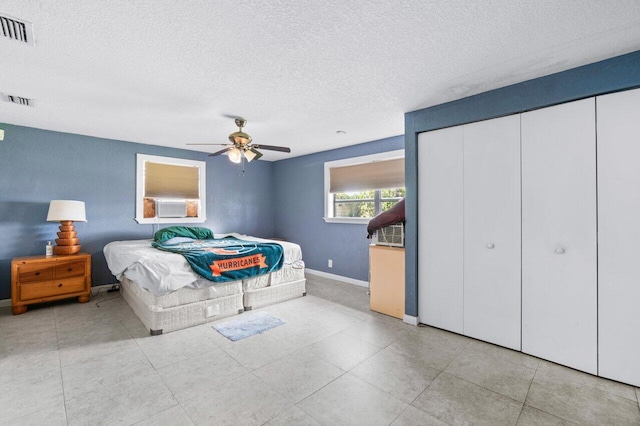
[{"x": 65, "y": 212}]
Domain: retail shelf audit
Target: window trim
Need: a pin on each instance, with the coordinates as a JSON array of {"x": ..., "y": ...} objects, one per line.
[
  {"x": 202, "y": 179},
  {"x": 328, "y": 203}
]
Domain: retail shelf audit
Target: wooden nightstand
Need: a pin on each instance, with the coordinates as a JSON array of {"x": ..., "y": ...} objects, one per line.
[{"x": 36, "y": 279}]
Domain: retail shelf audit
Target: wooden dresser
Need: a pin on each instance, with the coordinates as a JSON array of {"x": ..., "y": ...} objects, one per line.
[{"x": 36, "y": 279}]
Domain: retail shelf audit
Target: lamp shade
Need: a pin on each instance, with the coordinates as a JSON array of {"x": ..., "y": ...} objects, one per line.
[
  {"x": 235, "y": 155},
  {"x": 60, "y": 210}
]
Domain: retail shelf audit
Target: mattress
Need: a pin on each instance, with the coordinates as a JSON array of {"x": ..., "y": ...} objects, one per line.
[
  {"x": 185, "y": 295},
  {"x": 158, "y": 319},
  {"x": 288, "y": 273},
  {"x": 161, "y": 272}
]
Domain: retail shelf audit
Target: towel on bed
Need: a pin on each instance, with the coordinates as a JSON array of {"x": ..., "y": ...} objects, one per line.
[{"x": 227, "y": 259}]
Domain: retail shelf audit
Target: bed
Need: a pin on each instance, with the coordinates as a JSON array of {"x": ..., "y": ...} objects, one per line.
[{"x": 167, "y": 295}]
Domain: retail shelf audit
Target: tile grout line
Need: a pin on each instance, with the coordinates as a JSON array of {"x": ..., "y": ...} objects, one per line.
[
  {"x": 64, "y": 396},
  {"x": 539, "y": 409}
]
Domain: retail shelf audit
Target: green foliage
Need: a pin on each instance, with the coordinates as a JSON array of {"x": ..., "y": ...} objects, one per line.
[
  {"x": 393, "y": 193},
  {"x": 366, "y": 207},
  {"x": 396, "y": 194},
  {"x": 355, "y": 196}
]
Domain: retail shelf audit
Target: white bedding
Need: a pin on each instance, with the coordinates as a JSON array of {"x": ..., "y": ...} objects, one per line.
[{"x": 161, "y": 272}]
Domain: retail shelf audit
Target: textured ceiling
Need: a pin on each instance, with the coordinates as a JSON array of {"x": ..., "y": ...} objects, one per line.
[{"x": 169, "y": 72}]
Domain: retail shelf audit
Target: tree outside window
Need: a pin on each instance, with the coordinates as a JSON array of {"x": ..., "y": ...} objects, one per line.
[{"x": 365, "y": 204}]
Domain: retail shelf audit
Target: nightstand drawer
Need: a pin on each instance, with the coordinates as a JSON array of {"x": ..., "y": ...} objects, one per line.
[
  {"x": 34, "y": 273},
  {"x": 69, "y": 270},
  {"x": 52, "y": 288}
]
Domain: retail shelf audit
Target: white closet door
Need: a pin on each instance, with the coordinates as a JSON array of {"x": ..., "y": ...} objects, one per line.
[
  {"x": 559, "y": 305},
  {"x": 492, "y": 231},
  {"x": 619, "y": 236},
  {"x": 440, "y": 223}
]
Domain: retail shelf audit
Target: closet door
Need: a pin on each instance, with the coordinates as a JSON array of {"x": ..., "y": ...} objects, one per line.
[
  {"x": 492, "y": 231},
  {"x": 559, "y": 305},
  {"x": 619, "y": 236},
  {"x": 440, "y": 224}
]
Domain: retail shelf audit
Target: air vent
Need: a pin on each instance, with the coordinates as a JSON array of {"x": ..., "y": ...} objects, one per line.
[
  {"x": 14, "y": 29},
  {"x": 17, "y": 100}
]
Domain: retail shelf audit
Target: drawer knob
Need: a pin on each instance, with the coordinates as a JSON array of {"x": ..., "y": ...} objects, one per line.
[
  {"x": 490, "y": 245},
  {"x": 59, "y": 285},
  {"x": 69, "y": 269},
  {"x": 559, "y": 250},
  {"x": 37, "y": 273}
]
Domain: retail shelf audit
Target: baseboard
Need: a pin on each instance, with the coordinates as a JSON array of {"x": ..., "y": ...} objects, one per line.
[
  {"x": 7, "y": 302},
  {"x": 348, "y": 280},
  {"x": 410, "y": 319}
]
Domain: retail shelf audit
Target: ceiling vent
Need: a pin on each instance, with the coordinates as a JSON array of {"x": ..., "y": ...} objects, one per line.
[
  {"x": 14, "y": 29},
  {"x": 17, "y": 100}
]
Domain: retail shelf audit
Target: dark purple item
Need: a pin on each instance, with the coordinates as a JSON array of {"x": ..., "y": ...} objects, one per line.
[{"x": 388, "y": 217}]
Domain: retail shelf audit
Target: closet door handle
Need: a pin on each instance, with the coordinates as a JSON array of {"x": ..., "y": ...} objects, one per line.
[
  {"x": 559, "y": 250},
  {"x": 490, "y": 246}
]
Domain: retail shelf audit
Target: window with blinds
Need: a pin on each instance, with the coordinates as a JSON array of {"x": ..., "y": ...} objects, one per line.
[
  {"x": 170, "y": 190},
  {"x": 171, "y": 181},
  {"x": 357, "y": 189}
]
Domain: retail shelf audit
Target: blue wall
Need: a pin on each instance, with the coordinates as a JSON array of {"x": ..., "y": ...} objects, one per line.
[
  {"x": 299, "y": 204},
  {"x": 619, "y": 73},
  {"x": 37, "y": 166}
]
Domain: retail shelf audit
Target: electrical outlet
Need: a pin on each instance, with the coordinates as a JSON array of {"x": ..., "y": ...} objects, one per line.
[{"x": 330, "y": 263}]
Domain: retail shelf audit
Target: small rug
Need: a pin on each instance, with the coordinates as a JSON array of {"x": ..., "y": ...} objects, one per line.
[{"x": 247, "y": 325}]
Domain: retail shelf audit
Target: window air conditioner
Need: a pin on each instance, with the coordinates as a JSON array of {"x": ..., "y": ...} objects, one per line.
[
  {"x": 171, "y": 209},
  {"x": 392, "y": 235}
]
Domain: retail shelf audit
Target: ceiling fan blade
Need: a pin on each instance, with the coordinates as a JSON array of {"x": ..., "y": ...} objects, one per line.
[
  {"x": 222, "y": 151},
  {"x": 221, "y": 144},
  {"x": 272, "y": 148}
]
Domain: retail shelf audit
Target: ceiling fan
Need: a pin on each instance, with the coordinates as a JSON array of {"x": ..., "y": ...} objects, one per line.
[{"x": 241, "y": 145}]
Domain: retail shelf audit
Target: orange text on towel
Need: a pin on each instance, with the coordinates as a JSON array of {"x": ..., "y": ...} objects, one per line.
[{"x": 220, "y": 266}]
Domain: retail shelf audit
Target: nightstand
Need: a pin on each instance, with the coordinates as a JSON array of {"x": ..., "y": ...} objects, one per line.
[{"x": 36, "y": 279}]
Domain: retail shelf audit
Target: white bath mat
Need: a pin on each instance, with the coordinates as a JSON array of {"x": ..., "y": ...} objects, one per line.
[{"x": 247, "y": 325}]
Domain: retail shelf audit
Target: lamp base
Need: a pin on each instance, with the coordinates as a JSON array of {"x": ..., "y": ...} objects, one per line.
[
  {"x": 66, "y": 250},
  {"x": 67, "y": 243}
]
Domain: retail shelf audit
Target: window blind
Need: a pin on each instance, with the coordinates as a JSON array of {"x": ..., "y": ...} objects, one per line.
[
  {"x": 170, "y": 181},
  {"x": 368, "y": 176}
]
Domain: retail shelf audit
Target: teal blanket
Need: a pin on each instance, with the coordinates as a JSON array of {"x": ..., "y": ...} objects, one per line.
[{"x": 228, "y": 259}]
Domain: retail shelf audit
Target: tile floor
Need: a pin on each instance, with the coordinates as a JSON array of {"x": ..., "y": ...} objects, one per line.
[{"x": 334, "y": 362}]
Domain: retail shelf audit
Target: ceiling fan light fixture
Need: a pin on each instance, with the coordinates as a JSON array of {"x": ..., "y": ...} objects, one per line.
[
  {"x": 241, "y": 146},
  {"x": 235, "y": 155},
  {"x": 240, "y": 138},
  {"x": 249, "y": 155}
]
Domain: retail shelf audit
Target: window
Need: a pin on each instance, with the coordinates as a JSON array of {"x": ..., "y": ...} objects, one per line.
[
  {"x": 170, "y": 190},
  {"x": 357, "y": 189},
  {"x": 366, "y": 203}
]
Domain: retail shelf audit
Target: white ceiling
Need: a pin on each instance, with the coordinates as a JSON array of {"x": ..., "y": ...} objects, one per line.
[{"x": 168, "y": 72}]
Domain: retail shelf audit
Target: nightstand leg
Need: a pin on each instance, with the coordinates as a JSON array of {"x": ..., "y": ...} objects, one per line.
[
  {"x": 17, "y": 310},
  {"x": 83, "y": 299}
]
